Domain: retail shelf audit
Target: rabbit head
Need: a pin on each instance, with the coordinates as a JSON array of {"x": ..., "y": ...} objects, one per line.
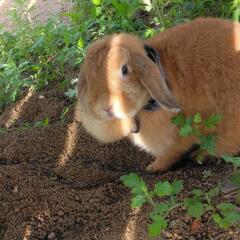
[{"x": 117, "y": 79}]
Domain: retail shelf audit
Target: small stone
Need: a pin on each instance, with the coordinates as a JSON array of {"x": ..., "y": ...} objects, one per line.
[
  {"x": 51, "y": 235},
  {"x": 15, "y": 189},
  {"x": 168, "y": 234},
  {"x": 179, "y": 237},
  {"x": 60, "y": 213},
  {"x": 172, "y": 224},
  {"x": 231, "y": 232},
  {"x": 192, "y": 238}
]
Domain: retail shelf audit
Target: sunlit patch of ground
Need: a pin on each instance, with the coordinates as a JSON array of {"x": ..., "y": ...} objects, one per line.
[{"x": 41, "y": 10}]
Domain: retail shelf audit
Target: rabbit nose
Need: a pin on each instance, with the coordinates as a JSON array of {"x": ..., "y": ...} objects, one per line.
[{"x": 109, "y": 111}]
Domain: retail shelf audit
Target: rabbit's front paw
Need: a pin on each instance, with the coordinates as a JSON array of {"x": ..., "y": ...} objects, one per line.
[{"x": 158, "y": 166}]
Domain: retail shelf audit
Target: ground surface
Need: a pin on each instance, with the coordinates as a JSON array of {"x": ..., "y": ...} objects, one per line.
[
  {"x": 59, "y": 183},
  {"x": 41, "y": 10}
]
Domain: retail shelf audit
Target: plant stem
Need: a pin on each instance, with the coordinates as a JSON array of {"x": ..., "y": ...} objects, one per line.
[
  {"x": 175, "y": 206},
  {"x": 150, "y": 200},
  {"x": 159, "y": 12}
]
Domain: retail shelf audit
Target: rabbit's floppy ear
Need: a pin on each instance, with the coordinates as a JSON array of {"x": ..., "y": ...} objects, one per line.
[{"x": 154, "y": 80}]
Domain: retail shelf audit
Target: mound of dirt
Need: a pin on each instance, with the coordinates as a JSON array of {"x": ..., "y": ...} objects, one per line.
[{"x": 57, "y": 182}]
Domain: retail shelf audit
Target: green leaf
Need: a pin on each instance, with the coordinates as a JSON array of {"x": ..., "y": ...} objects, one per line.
[
  {"x": 227, "y": 158},
  {"x": 213, "y": 192},
  {"x": 208, "y": 207},
  {"x": 230, "y": 159},
  {"x": 200, "y": 157},
  {"x": 140, "y": 188},
  {"x": 131, "y": 180},
  {"x": 80, "y": 43},
  {"x": 71, "y": 92},
  {"x": 208, "y": 144},
  {"x": 197, "y": 118},
  {"x": 157, "y": 226},
  {"x": 232, "y": 217},
  {"x": 45, "y": 122},
  {"x": 236, "y": 15},
  {"x": 212, "y": 121},
  {"x": 235, "y": 179},
  {"x": 186, "y": 130},
  {"x": 161, "y": 208},
  {"x": 226, "y": 206},
  {"x": 207, "y": 173},
  {"x": 178, "y": 120},
  {"x": 221, "y": 222},
  {"x": 194, "y": 208},
  {"x": 136, "y": 190},
  {"x": 236, "y": 161},
  {"x": 197, "y": 192},
  {"x": 121, "y": 7},
  {"x": 163, "y": 189},
  {"x": 137, "y": 201},
  {"x": 177, "y": 186},
  {"x": 189, "y": 120},
  {"x": 64, "y": 113},
  {"x": 96, "y": 2},
  {"x": 150, "y": 32}
]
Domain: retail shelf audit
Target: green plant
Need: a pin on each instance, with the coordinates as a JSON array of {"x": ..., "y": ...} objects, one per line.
[
  {"x": 64, "y": 113},
  {"x": 235, "y": 9},
  {"x": 227, "y": 215},
  {"x": 196, "y": 205},
  {"x": 223, "y": 214},
  {"x": 41, "y": 124},
  {"x": 235, "y": 161},
  {"x": 234, "y": 179},
  {"x": 200, "y": 202},
  {"x": 169, "y": 13},
  {"x": 207, "y": 173},
  {"x": 166, "y": 191},
  {"x": 196, "y": 126}
]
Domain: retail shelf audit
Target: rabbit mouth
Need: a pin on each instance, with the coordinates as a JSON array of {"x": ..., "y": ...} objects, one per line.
[{"x": 136, "y": 128}]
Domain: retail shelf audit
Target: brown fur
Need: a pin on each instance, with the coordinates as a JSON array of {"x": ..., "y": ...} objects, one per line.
[{"x": 202, "y": 62}]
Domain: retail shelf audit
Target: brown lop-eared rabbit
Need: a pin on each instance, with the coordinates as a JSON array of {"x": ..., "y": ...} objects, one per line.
[{"x": 130, "y": 88}]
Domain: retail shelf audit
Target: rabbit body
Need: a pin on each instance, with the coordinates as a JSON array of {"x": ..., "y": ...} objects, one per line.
[{"x": 201, "y": 60}]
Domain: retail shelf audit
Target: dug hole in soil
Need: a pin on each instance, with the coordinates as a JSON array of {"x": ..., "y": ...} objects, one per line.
[{"x": 57, "y": 182}]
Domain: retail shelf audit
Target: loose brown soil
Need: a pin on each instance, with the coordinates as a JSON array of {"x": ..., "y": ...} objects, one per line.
[{"x": 58, "y": 183}]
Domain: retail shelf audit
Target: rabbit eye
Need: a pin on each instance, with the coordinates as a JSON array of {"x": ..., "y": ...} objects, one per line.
[{"x": 124, "y": 70}]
